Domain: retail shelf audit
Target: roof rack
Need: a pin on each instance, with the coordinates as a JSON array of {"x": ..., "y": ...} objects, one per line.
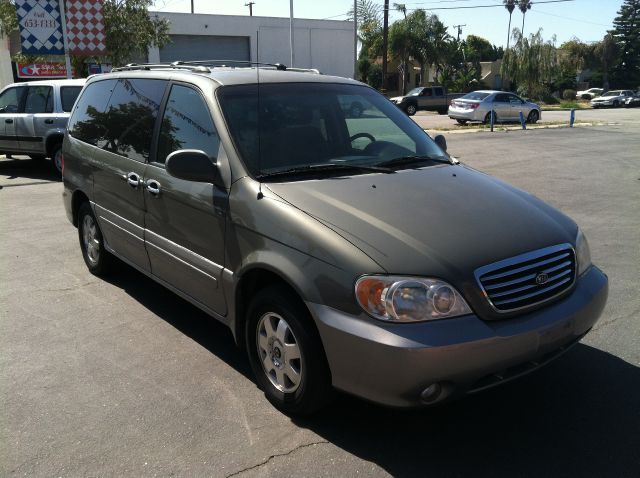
[
  {"x": 204, "y": 66},
  {"x": 158, "y": 66}
]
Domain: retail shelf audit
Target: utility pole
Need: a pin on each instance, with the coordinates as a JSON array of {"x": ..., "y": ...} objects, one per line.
[
  {"x": 385, "y": 45},
  {"x": 191, "y": 6},
  {"x": 355, "y": 39},
  {"x": 291, "y": 31},
  {"x": 250, "y": 5},
  {"x": 459, "y": 27}
]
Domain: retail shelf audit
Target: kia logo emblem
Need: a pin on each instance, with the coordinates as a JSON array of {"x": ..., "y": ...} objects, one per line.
[{"x": 541, "y": 278}]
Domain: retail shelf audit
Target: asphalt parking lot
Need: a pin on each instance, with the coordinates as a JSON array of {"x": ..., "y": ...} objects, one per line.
[{"x": 123, "y": 378}]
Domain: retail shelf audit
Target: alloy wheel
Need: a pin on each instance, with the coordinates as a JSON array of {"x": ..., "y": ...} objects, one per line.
[
  {"x": 90, "y": 239},
  {"x": 279, "y": 352}
]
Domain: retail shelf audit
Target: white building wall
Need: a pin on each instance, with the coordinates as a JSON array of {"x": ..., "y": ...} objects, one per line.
[
  {"x": 323, "y": 44},
  {"x": 6, "y": 72}
]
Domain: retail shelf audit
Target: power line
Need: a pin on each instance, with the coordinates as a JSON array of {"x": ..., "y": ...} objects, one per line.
[{"x": 569, "y": 18}]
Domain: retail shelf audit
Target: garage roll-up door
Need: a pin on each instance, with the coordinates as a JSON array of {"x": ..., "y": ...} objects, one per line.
[{"x": 205, "y": 47}]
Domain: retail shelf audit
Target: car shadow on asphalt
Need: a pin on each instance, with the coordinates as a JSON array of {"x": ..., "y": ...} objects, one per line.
[
  {"x": 579, "y": 416},
  {"x": 185, "y": 317},
  {"x": 15, "y": 168}
]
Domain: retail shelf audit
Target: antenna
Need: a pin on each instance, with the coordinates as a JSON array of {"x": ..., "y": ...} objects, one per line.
[{"x": 260, "y": 195}]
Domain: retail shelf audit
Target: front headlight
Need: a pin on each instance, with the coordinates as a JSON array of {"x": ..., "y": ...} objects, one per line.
[
  {"x": 409, "y": 299},
  {"x": 583, "y": 254}
]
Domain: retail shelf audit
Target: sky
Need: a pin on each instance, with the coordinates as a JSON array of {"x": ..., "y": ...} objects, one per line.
[{"x": 587, "y": 20}]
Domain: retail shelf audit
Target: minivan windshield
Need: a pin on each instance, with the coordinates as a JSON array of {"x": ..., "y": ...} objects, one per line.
[{"x": 322, "y": 128}]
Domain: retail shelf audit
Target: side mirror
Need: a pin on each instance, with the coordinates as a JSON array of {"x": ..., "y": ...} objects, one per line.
[
  {"x": 193, "y": 165},
  {"x": 441, "y": 141}
]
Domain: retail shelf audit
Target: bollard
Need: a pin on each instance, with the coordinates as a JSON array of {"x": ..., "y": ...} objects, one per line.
[
  {"x": 572, "y": 118},
  {"x": 522, "y": 121},
  {"x": 492, "y": 118}
]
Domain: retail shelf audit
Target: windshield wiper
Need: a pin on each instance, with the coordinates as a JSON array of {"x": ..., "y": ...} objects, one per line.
[
  {"x": 328, "y": 167},
  {"x": 402, "y": 160}
]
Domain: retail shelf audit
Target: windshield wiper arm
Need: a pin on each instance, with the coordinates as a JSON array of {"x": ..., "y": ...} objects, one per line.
[
  {"x": 328, "y": 167},
  {"x": 413, "y": 159}
]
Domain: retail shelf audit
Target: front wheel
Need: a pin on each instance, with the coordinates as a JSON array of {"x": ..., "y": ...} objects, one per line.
[
  {"x": 533, "y": 117},
  {"x": 487, "y": 118},
  {"x": 286, "y": 353},
  {"x": 98, "y": 260},
  {"x": 410, "y": 110}
]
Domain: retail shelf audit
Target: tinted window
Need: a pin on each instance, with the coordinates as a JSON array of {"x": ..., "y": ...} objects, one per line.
[
  {"x": 130, "y": 117},
  {"x": 39, "y": 100},
  {"x": 10, "y": 99},
  {"x": 515, "y": 99},
  {"x": 87, "y": 118},
  {"x": 68, "y": 95},
  {"x": 186, "y": 124},
  {"x": 501, "y": 98}
]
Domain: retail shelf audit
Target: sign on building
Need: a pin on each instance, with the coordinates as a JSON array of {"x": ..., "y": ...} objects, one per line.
[
  {"x": 85, "y": 27},
  {"x": 40, "y": 29},
  {"x": 42, "y": 70}
]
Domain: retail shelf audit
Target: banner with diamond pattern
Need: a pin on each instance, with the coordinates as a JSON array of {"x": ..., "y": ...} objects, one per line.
[
  {"x": 40, "y": 29},
  {"x": 85, "y": 27}
]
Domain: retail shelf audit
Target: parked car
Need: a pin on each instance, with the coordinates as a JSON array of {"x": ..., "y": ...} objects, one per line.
[
  {"x": 343, "y": 253},
  {"x": 429, "y": 98},
  {"x": 613, "y": 98},
  {"x": 477, "y": 106},
  {"x": 589, "y": 94},
  {"x": 34, "y": 115},
  {"x": 633, "y": 101}
]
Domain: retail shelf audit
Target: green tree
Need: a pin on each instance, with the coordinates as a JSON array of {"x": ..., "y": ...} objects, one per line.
[
  {"x": 400, "y": 46},
  {"x": 510, "y": 5},
  {"x": 524, "y": 5},
  {"x": 606, "y": 51},
  {"x": 532, "y": 63},
  {"x": 8, "y": 18},
  {"x": 131, "y": 30},
  {"x": 626, "y": 33}
]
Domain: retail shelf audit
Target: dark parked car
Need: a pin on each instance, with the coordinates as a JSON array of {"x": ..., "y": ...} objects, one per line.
[{"x": 343, "y": 253}]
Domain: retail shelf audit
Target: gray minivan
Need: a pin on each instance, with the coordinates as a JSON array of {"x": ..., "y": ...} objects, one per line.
[{"x": 343, "y": 252}]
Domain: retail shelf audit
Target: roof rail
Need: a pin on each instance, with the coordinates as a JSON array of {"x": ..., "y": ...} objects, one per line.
[
  {"x": 232, "y": 63},
  {"x": 159, "y": 66},
  {"x": 306, "y": 70}
]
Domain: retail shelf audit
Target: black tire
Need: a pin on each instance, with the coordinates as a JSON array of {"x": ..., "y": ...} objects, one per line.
[
  {"x": 586, "y": 96},
  {"x": 410, "y": 109},
  {"x": 442, "y": 111},
  {"x": 487, "y": 118},
  {"x": 616, "y": 103},
  {"x": 56, "y": 159},
  {"x": 461, "y": 122},
  {"x": 37, "y": 157},
  {"x": 103, "y": 262},
  {"x": 356, "y": 110},
  {"x": 314, "y": 389},
  {"x": 533, "y": 117}
]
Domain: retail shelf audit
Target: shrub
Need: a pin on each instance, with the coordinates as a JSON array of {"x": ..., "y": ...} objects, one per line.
[
  {"x": 374, "y": 78},
  {"x": 569, "y": 95}
]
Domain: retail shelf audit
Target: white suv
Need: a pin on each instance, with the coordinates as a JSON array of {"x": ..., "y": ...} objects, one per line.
[{"x": 34, "y": 115}]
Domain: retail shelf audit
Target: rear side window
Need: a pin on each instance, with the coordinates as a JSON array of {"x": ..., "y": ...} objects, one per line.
[
  {"x": 39, "y": 100},
  {"x": 87, "y": 122},
  {"x": 187, "y": 124},
  {"x": 68, "y": 95}
]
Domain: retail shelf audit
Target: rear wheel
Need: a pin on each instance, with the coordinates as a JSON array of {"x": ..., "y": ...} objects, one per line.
[
  {"x": 56, "y": 159},
  {"x": 443, "y": 111},
  {"x": 96, "y": 257},
  {"x": 533, "y": 117},
  {"x": 487, "y": 118},
  {"x": 286, "y": 353},
  {"x": 410, "y": 109}
]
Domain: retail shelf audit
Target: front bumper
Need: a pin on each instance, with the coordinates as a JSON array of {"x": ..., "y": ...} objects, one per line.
[{"x": 393, "y": 364}]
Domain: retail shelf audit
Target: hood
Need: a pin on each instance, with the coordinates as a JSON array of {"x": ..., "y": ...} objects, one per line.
[
  {"x": 440, "y": 221},
  {"x": 397, "y": 99}
]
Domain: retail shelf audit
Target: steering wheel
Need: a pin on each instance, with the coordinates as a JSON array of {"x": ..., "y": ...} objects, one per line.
[{"x": 362, "y": 135}]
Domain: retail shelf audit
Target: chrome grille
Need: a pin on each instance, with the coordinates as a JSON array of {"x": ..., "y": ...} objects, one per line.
[{"x": 528, "y": 279}]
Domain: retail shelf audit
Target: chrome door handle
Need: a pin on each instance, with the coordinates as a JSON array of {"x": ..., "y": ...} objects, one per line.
[
  {"x": 153, "y": 186},
  {"x": 133, "y": 179}
]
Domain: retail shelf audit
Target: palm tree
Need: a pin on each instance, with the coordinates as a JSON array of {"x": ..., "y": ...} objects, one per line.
[
  {"x": 510, "y": 5},
  {"x": 401, "y": 7},
  {"x": 524, "y": 5}
]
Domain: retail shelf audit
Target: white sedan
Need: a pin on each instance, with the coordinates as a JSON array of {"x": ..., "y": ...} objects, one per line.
[{"x": 589, "y": 94}]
